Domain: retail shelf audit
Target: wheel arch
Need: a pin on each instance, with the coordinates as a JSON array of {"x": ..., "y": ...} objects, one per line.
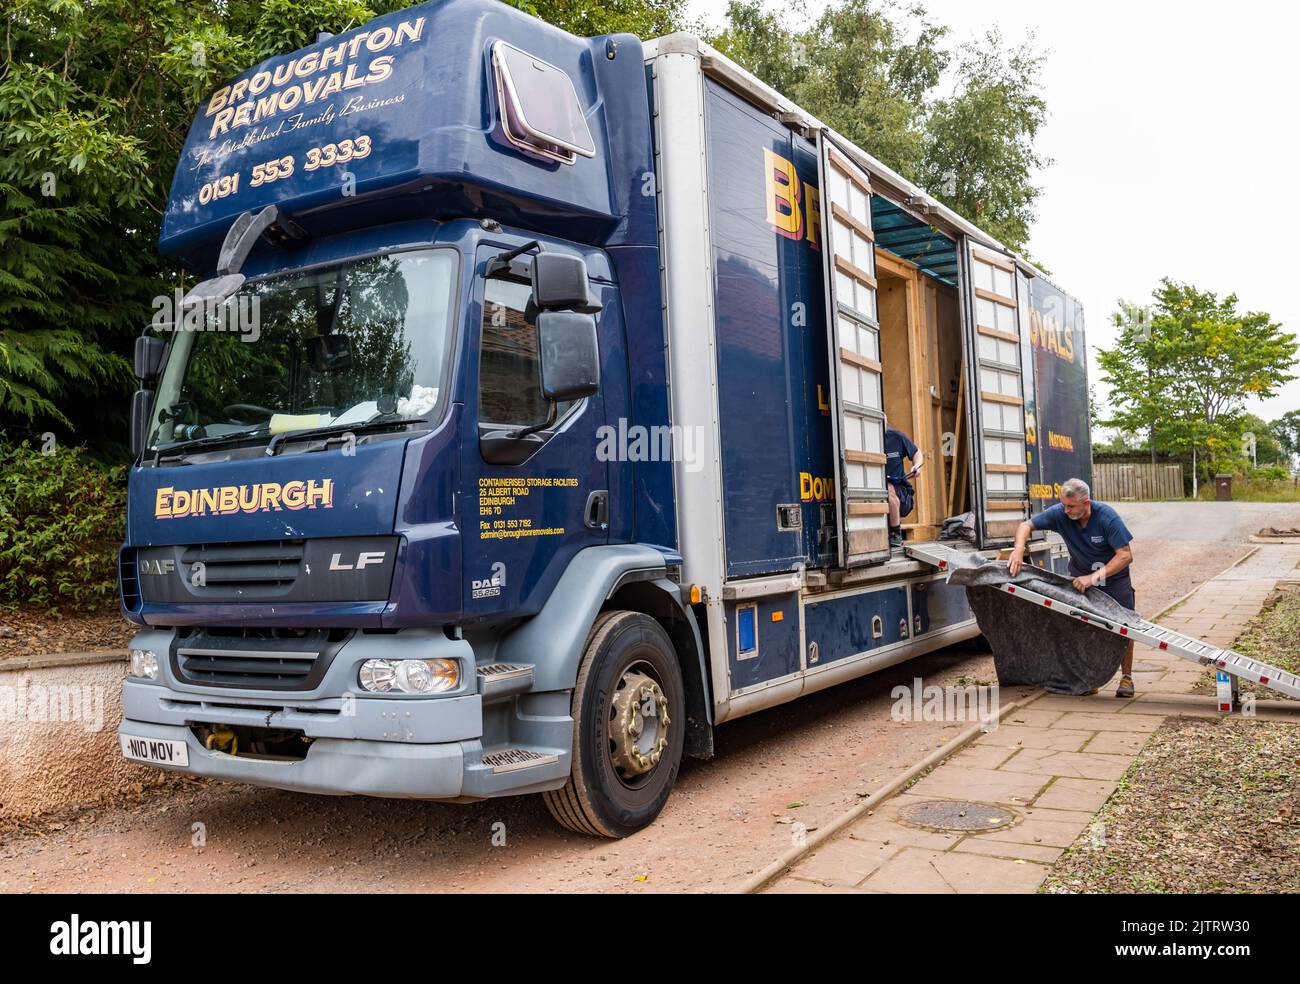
[
  {"x": 661, "y": 599},
  {"x": 631, "y": 577}
]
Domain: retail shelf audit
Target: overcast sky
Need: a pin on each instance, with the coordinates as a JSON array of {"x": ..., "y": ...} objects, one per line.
[{"x": 1174, "y": 131}]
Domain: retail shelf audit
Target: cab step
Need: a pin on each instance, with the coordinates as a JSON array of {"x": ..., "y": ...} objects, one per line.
[
  {"x": 503, "y": 679},
  {"x": 514, "y": 759}
]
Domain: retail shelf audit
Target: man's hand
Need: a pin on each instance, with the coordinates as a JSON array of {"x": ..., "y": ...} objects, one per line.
[
  {"x": 1016, "y": 561},
  {"x": 1082, "y": 584}
]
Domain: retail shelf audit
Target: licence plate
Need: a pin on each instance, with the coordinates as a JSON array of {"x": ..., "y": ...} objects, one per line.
[{"x": 155, "y": 751}]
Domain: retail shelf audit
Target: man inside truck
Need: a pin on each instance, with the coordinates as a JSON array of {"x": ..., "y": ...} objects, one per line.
[
  {"x": 901, "y": 494},
  {"x": 1100, "y": 554}
]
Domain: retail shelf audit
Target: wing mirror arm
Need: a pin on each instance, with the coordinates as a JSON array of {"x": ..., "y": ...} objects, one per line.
[{"x": 534, "y": 428}]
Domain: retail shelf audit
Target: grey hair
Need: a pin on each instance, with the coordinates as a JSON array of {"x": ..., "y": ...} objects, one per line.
[{"x": 1076, "y": 488}]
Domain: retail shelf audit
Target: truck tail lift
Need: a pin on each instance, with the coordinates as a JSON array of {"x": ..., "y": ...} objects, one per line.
[{"x": 1231, "y": 667}]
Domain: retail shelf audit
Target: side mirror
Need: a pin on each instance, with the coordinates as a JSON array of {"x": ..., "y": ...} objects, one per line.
[
  {"x": 330, "y": 353},
  {"x": 570, "y": 357},
  {"x": 148, "y": 356},
  {"x": 559, "y": 282},
  {"x": 141, "y": 404}
]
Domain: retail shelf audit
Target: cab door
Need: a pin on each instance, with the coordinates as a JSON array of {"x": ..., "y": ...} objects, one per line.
[
  {"x": 857, "y": 397},
  {"x": 530, "y": 503},
  {"x": 995, "y": 374}
]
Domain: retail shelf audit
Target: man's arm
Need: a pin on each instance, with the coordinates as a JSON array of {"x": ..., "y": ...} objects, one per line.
[
  {"x": 918, "y": 459},
  {"x": 1023, "y": 532},
  {"x": 1123, "y": 557}
]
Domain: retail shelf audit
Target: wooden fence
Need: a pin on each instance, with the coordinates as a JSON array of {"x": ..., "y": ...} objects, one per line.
[{"x": 1137, "y": 480}]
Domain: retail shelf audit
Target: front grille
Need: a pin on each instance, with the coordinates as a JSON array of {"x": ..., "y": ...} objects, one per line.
[
  {"x": 259, "y": 659},
  {"x": 346, "y": 568},
  {"x": 249, "y": 570}
]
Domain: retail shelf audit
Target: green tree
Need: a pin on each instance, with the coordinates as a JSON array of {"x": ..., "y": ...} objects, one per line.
[
  {"x": 1184, "y": 374},
  {"x": 1256, "y": 442},
  {"x": 1222, "y": 355},
  {"x": 1140, "y": 373},
  {"x": 980, "y": 156},
  {"x": 1120, "y": 442},
  {"x": 644, "y": 18},
  {"x": 1286, "y": 431}
]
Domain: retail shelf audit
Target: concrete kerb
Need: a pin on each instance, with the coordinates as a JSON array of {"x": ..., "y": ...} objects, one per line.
[
  {"x": 16, "y": 663},
  {"x": 823, "y": 834}
]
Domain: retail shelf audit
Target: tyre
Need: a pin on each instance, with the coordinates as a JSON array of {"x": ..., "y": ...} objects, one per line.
[{"x": 629, "y": 726}]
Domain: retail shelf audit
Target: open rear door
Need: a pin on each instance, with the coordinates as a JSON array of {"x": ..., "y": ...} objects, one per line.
[
  {"x": 996, "y": 417},
  {"x": 857, "y": 400}
]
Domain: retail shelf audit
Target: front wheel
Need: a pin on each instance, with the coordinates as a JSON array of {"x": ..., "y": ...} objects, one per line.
[{"x": 629, "y": 724}]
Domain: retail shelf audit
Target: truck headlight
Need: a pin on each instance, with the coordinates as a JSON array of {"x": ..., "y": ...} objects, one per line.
[
  {"x": 410, "y": 676},
  {"x": 144, "y": 663}
]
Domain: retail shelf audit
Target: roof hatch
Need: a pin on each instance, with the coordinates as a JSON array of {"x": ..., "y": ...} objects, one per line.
[{"x": 540, "y": 112}]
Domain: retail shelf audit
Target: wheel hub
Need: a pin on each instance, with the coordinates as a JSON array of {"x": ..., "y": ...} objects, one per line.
[{"x": 639, "y": 724}]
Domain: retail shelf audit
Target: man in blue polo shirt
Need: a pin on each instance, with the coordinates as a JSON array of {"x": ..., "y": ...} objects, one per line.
[
  {"x": 901, "y": 494},
  {"x": 1099, "y": 552}
]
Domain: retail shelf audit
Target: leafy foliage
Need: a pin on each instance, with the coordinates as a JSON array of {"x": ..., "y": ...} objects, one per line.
[
  {"x": 1286, "y": 431},
  {"x": 644, "y": 18},
  {"x": 979, "y": 148},
  {"x": 60, "y": 526},
  {"x": 1182, "y": 370}
]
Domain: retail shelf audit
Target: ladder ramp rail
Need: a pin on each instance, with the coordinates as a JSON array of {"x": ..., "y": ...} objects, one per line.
[{"x": 1137, "y": 629}]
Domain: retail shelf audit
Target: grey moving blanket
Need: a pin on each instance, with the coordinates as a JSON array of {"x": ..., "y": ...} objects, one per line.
[{"x": 1036, "y": 646}]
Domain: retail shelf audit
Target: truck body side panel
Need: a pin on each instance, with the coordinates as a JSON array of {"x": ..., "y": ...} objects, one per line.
[
  {"x": 846, "y": 626},
  {"x": 1063, "y": 448}
]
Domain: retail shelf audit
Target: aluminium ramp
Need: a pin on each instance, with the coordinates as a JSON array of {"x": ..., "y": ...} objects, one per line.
[{"x": 1231, "y": 665}]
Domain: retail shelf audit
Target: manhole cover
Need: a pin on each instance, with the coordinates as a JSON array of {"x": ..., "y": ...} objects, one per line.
[{"x": 949, "y": 815}]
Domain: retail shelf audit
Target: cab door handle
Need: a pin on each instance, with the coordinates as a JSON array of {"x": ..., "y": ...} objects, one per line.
[{"x": 596, "y": 515}]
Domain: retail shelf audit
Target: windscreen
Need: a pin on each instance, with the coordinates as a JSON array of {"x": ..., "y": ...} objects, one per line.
[{"x": 359, "y": 343}]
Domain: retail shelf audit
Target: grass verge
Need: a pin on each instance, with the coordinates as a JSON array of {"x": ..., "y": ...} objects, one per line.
[{"x": 1209, "y": 806}]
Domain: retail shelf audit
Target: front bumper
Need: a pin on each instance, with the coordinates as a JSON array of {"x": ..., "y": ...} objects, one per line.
[
  {"x": 414, "y": 720},
  {"x": 369, "y": 744},
  {"x": 333, "y": 766}
]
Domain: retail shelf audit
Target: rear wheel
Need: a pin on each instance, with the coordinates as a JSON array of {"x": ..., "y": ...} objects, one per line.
[{"x": 629, "y": 724}]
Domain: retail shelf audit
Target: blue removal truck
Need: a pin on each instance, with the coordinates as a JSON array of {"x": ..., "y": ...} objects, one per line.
[{"x": 508, "y": 444}]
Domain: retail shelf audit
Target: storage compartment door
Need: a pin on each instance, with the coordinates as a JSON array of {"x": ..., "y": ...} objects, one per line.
[
  {"x": 995, "y": 375},
  {"x": 857, "y": 405}
]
